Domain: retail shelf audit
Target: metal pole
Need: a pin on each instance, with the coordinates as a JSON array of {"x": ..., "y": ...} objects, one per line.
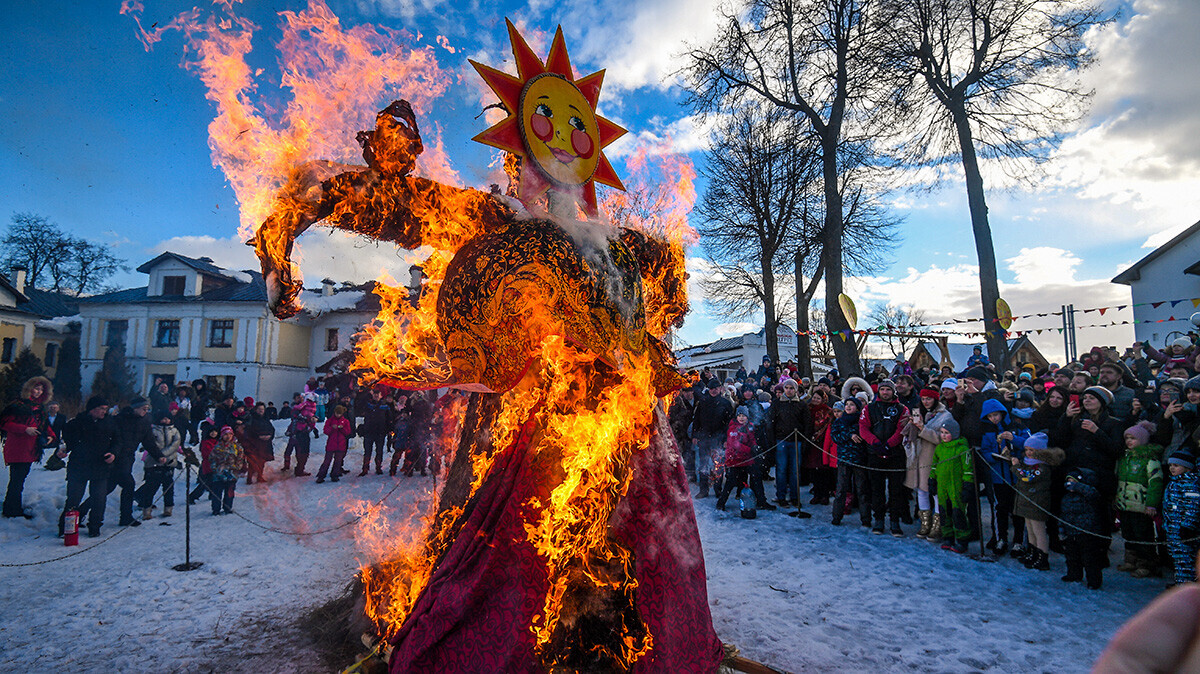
[
  {"x": 1074, "y": 342},
  {"x": 1066, "y": 333},
  {"x": 188, "y": 564}
]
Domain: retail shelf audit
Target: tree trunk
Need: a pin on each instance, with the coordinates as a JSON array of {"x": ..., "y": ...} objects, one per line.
[
  {"x": 803, "y": 345},
  {"x": 831, "y": 257},
  {"x": 989, "y": 288},
  {"x": 770, "y": 315}
]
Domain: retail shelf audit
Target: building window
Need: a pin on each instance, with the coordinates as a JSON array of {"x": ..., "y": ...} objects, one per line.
[
  {"x": 220, "y": 333},
  {"x": 51, "y": 354},
  {"x": 331, "y": 339},
  {"x": 115, "y": 335},
  {"x": 173, "y": 285},
  {"x": 167, "y": 334},
  {"x": 10, "y": 349}
]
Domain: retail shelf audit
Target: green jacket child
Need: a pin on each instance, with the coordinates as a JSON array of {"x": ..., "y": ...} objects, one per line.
[{"x": 1140, "y": 477}]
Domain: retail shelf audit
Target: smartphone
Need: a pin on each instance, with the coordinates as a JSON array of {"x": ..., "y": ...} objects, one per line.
[
  {"x": 1075, "y": 398},
  {"x": 1173, "y": 395}
]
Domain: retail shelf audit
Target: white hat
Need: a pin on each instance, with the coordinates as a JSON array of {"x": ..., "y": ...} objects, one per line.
[{"x": 950, "y": 383}]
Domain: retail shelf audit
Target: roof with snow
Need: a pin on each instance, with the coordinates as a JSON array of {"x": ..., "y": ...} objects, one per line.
[
  {"x": 959, "y": 353},
  {"x": 253, "y": 291}
]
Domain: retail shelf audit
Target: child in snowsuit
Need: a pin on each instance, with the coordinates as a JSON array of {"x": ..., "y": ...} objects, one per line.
[
  {"x": 1181, "y": 514},
  {"x": 227, "y": 461},
  {"x": 999, "y": 437},
  {"x": 1082, "y": 511},
  {"x": 954, "y": 473},
  {"x": 337, "y": 440},
  {"x": 1032, "y": 485},
  {"x": 304, "y": 421},
  {"x": 160, "y": 464},
  {"x": 1139, "y": 495},
  {"x": 851, "y": 458},
  {"x": 209, "y": 433},
  {"x": 740, "y": 444}
]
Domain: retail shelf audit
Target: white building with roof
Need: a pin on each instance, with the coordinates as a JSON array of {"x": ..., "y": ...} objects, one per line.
[{"x": 1162, "y": 285}]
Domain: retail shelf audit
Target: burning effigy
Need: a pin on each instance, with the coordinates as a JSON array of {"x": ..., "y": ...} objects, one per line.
[{"x": 563, "y": 537}]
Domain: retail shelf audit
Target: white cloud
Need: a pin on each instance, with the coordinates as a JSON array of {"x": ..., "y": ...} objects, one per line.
[{"x": 732, "y": 329}]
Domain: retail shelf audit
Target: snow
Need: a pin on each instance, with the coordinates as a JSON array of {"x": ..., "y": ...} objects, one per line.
[
  {"x": 61, "y": 324},
  {"x": 317, "y": 304},
  {"x": 239, "y": 276},
  {"x": 801, "y": 595}
]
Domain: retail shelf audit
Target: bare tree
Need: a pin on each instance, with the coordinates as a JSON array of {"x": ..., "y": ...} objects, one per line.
[
  {"x": 758, "y": 168},
  {"x": 822, "y": 346},
  {"x": 818, "y": 60},
  {"x": 91, "y": 265},
  {"x": 990, "y": 79},
  {"x": 895, "y": 321},
  {"x": 55, "y": 259}
]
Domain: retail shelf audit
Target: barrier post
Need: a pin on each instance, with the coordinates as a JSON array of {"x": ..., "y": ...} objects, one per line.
[{"x": 188, "y": 564}]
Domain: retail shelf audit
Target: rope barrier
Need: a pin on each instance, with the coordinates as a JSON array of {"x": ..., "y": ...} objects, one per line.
[{"x": 89, "y": 548}]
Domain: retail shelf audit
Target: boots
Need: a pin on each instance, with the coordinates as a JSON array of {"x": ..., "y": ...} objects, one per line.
[
  {"x": 896, "y": 530},
  {"x": 148, "y": 513},
  {"x": 1030, "y": 556},
  {"x": 1130, "y": 564},
  {"x": 926, "y": 518},
  {"x": 1074, "y": 574},
  {"x": 935, "y": 528},
  {"x": 1146, "y": 568},
  {"x": 1095, "y": 577},
  {"x": 167, "y": 510},
  {"x": 1041, "y": 561},
  {"x": 878, "y": 528}
]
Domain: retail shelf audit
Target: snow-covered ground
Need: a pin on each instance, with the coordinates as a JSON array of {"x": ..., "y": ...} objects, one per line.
[{"x": 801, "y": 595}]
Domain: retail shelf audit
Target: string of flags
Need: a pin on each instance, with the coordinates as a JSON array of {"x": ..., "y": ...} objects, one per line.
[
  {"x": 846, "y": 334},
  {"x": 1195, "y": 301}
]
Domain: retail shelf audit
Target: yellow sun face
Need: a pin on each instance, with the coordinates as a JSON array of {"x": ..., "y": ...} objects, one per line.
[
  {"x": 552, "y": 124},
  {"x": 559, "y": 129}
]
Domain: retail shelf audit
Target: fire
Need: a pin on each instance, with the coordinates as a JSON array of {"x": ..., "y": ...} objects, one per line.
[{"x": 584, "y": 398}]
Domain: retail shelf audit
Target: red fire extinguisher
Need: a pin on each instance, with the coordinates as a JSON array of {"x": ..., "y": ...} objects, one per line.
[{"x": 71, "y": 528}]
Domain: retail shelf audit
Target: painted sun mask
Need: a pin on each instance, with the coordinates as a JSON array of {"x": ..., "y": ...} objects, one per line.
[{"x": 552, "y": 124}]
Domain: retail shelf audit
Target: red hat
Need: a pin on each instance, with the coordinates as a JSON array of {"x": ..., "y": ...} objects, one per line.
[
  {"x": 929, "y": 393},
  {"x": 249, "y": 401},
  {"x": 226, "y": 428}
]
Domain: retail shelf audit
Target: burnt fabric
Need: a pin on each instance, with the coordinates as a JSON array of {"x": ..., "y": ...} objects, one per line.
[{"x": 489, "y": 584}]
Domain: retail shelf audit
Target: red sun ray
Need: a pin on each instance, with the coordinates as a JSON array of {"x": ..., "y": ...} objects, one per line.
[
  {"x": 507, "y": 87},
  {"x": 503, "y": 136},
  {"x": 605, "y": 175},
  {"x": 558, "y": 61},
  {"x": 608, "y": 131},
  {"x": 590, "y": 87},
  {"x": 528, "y": 64}
]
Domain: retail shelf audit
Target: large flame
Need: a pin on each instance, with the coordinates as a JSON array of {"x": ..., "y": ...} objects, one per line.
[{"x": 283, "y": 167}]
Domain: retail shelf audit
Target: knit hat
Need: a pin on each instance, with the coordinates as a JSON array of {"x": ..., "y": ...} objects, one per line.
[
  {"x": 1037, "y": 441},
  {"x": 978, "y": 373},
  {"x": 1174, "y": 381},
  {"x": 1182, "y": 342},
  {"x": 96, "y": 401},
  {"x": 1025, "y": 375},
  {"x": 339, "y": 410},
  {"x": 952, "y": 426},
  {"x": 978, "y": 348},
  {"x": 137, "y": 402},
  {"x": 764, "y": 397},
  {"x": 825, "y": 381},
  {"x": 1141, "y": 432},
  {"x": 950, "y": 383},
  {"x": 173, "y": 408},
  {"x": 888, "y": 383},
  {"x": 1183, "y": 458},
  {"x": 226, "y": 428},
  {"x": 714, "y": 383},
  {"x": 1193, "y": 383},
  {"x": 1064, "y": 371},
  {"x": 929, "y": 393},
  {"x": 1102, "y": 393},
  {"x": 1026, "y": 394},
  {"x": 839, "y": 406},
  {"x": 742, "y": 409}
]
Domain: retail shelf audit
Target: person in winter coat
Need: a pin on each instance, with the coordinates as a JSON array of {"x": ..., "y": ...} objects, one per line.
[
  {"x": 338, "y": 432},
  {"x": 740, "y": 447},
  {"x": 24, "y": 423},
  {"x": 1083, "y": 510},
  {"x": 920, "y": 447},
  {"x": 1032, "y": 474},
  {"x": 713, "y": 414},
  {"x": 882, "y": 428},
  {"x": 209, "y": 435},
  {"x": 1139, "y": 497},
  {"x": 852, "y": 459},
  {"x": 376, "y": 425},
  {"x": 1001, "y": 441},
  {"x": 182, "y": 414},
  {"x": 55, "y": 422},
  {"x": 1181, "y": 514},
  {"x": 160, "y": 396},
  {"x": 257, "y": 437},
  {"x": 133, "y": 432},
  {"x": 227, "y": 460},
  {"x": 420, "y": 433},
  {"x": 789, "y": 428},
  {"x": 680, "y": 416},
  {"x": 953, "y": 477},
  {"x": 201, "y": 404},
  {"x": 162, "y": 458},
  {"x": 90, "y": 440},
  {"x": 1094, "y": 440},
  {"x": 1047, "y": 415},
  {"x": 304, "y": 421},
  {"x": 820, "y": 467},
  {"x": 1112, "y": 377}
]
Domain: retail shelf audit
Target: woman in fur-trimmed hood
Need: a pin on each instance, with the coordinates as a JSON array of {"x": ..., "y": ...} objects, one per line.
[
  {"x": 24, "y": 423},
  {"x": 862, "y": 386}
]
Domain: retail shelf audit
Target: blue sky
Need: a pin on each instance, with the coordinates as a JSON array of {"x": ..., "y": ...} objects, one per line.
[{"x": 110, "y": 141}]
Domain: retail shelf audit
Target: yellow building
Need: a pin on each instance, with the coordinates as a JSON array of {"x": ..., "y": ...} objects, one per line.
[{"x": 39, "y": 319}]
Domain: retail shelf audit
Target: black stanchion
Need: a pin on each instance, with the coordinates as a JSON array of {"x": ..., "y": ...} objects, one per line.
[{"x": 188, "y": 564}]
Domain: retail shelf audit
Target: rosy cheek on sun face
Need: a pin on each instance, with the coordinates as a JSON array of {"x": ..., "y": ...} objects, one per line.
[
  {"x": 542, "y": 127},
  {"x": 582, "y": 143}
]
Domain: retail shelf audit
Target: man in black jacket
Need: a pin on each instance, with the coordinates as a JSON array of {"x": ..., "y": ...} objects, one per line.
[
  {"x": 680, "y": 416},
  {"x": 711, "y": 422},
  {"x": 789, "y": 430},
  {"x": 91, "y": 442},
  {"x": 376, "y": 424},
  {"x": 133, "y": 431}
]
